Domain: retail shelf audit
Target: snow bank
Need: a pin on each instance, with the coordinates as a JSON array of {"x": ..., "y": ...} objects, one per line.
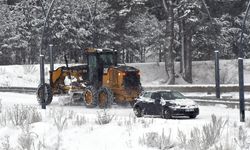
[{"x": 151, "y": 73}]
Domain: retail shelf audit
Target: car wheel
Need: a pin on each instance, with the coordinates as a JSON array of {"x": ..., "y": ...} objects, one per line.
[
  {"x": 192, "y": 116},
  {"x": 166, "y": 114},
  {"x": 138, "y": 111},
  {"x": 132, "y": 103}
]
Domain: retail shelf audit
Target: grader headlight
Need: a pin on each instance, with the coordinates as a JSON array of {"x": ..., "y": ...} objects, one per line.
[{"x": 121, "y": 74}]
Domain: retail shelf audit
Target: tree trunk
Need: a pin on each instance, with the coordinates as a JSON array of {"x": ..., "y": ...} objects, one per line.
[
  {"x": 145, "y": 54},
  {"x": 188, "y": 60},
  {"x": 131, "y": 57},
  {"x": 165, "y": 45},
  {"x": 183, "y": 48},
  {"x": 160, "y": 54},
  {"x": 127, "y": 56},
  {"x": 141, "y": 52},
  {"x": 186, "y": 53},
  {"x": 171, "y": 79},
  {"x": 123, "y": 55}
]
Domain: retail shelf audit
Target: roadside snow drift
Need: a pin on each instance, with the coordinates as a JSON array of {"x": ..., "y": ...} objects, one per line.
[{"x": 151, "y": 73}]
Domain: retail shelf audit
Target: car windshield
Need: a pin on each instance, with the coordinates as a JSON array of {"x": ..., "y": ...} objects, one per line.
[
  {"x": 171, "y": 95},
  {"x": 147, "y": 94},
  {"x": 177, "y": 95}
]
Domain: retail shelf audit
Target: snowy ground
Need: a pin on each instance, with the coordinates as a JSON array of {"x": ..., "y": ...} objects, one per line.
[
  {"x": 81, "y": 129},
  {"x": 77, "y": 128}
]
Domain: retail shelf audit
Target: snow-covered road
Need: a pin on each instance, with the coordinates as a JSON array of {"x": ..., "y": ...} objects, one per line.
[
  {"x": 124, "y": 132},
  {"x": 9, "y": 99}
]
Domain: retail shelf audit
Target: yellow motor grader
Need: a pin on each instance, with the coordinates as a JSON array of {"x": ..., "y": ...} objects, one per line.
[{"x": 100, "y": 82}]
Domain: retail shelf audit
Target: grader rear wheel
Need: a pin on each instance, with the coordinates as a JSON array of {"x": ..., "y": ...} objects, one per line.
[
  {"x": 105, "y": 97},
  {"x": 90, "y": 97},
  {"x": 48, "y": 95}
]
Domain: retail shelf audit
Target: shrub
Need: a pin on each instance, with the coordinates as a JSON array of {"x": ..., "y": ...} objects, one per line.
[
  {"x": 225, "y": 77},
  {"x": 2, "y": 71},
  {"x": 19, "y": 114},
  {"x": 241, "y": 139},
  {"x": 6, "y": 84},
  {"x": 212, "y": 131},
  {"x": 3, "y": 119},
  {"x": 5, "y": 145},
  {"x": 26, "y": 138},
  {"x": 34, "y": 115},
  {"x": 248, "y": 122},
  {"x": 29, "y": 69},
  {"x": 80, "y": 120},
  {"x": 104, "y": 117},
  {"x": 182, "y": 138},
  {"x": 60, "y": 120},
  {"x": 0, "y": 105},
  {"x": 146, "y": 122},
  {"x": 205, "y": 138},
  {"x": 195, "y": 142},
  {"x": 154, "y": 140}
]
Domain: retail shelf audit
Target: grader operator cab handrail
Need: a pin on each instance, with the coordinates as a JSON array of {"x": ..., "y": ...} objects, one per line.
[{"x": 67, "y": 65}]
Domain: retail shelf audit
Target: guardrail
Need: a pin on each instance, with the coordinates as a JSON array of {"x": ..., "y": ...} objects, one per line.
[
  {"x": 210, "y": 100},
  {"x": 204, "y": 100},
  {"x": 18, "y": 89},
  {"x": 181, "y": 88},
  {"x": 198, "y": 88}
]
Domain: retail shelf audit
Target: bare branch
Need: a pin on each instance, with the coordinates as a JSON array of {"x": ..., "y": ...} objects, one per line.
[{"x": 165, "y": 5}]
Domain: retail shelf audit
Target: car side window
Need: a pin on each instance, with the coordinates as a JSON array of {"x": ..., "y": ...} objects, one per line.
[
  {"x": 156, "y": 96},
  {"x": 167, "y": 96}
]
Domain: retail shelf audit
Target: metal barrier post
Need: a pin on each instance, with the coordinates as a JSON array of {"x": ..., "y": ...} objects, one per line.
[
  {"x": 241, "y": 68},
  {"x": 42, "y": 81},
  {"x": 51, "y": 54},
  {"x": 217, "y": 74},
  {"x": 241, "y": 90}
]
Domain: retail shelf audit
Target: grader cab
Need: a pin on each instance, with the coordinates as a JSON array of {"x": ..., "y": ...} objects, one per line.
[{"x": 100, "y": 82}]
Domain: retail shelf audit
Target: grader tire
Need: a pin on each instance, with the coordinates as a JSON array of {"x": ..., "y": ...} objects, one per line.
[
  {"x": 48, "y": 95},
  {"x": 90, "y": 97},
  {"x": 105, "y": 97}
]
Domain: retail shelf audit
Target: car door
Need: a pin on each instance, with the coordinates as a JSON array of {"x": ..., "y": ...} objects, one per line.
[
  {"x": 155, "y": 106},
  {"x": 146, "y": 102}
]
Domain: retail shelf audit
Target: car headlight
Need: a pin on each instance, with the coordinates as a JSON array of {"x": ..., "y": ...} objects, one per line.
[
  {"x": 175, "y": 106},
  {"x": 193, "y": 106}
]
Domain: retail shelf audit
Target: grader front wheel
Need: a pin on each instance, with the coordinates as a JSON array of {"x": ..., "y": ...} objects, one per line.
[
  {"x": 48, "y": 95},
  {"x": 105, "y": 97},
  {"x": 90, "y": 98}
]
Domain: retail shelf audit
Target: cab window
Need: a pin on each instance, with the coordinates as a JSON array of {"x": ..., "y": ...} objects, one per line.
[{"x": 106, "y": 59}]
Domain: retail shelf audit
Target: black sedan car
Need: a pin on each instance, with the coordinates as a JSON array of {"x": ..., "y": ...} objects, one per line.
[{"x": 166, "y": 104}]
